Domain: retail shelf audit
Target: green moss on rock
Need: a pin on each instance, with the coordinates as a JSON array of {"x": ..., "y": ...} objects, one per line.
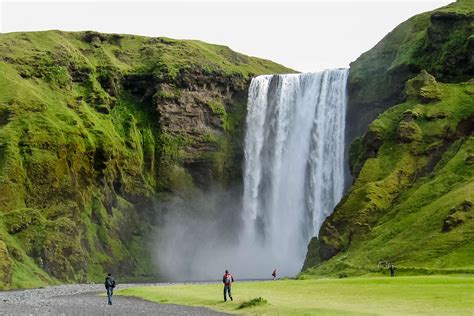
[
  {"x": 423, "y": 88},
  {"x": 5, "y": 265},
  {"x": 436, "y": 41},
  {"x": 410, "y": 202},
  {"x": 408, "y": 132}
]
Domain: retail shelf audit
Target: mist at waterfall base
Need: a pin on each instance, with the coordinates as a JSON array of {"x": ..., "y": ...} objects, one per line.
[{"x": 293, "y": 177}]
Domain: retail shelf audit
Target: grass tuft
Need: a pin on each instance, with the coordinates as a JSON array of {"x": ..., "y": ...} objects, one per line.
[{"x": 258, "y": 301}]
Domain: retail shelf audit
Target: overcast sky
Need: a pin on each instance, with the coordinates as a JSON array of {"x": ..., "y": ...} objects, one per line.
[{"x": 304, "y": 35}]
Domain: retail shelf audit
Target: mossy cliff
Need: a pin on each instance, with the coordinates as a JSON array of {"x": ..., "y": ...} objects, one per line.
[
  {"x": 411, "y": 199},
  {"x": 440, "y": 42},
  {"x": 94, "y": 130}
]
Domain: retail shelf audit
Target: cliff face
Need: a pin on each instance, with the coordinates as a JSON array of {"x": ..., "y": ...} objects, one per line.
[
  {"x": 410, "y": 202},
  {"x": 439, "y": 42},
  {"x": 94, "y": 130}
]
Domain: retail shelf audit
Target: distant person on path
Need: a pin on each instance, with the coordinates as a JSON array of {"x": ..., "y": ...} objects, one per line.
[
  {"x": 227, "y": 279},
  {"x": 274, "y": 274},
  {"x": 109, "y": 286},
  {"x": 392, "y": 270}
]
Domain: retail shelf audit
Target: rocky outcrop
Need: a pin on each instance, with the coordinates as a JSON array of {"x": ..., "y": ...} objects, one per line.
[
  {"x": 423, "y": 88},
  {"x": 437, "y": 41},
  {"x": 312, "y": 258},
  {"x": 457, "y": 216}
]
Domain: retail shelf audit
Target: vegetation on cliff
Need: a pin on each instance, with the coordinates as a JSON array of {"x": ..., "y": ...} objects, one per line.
[
  {"x": 411, "y": 199},
  {"x": 440, "y": 42},
  {"x": 94, "y": 128},
  {"x": 411, "y": 202}
]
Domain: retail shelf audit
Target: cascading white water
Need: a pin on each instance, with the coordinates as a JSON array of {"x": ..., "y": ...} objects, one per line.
[
  {"x": 294, "y": 165},
  {"x": 293, "y": 178}
]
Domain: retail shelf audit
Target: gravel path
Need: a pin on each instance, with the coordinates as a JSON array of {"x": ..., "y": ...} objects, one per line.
[{"x": 83, "y": 299}]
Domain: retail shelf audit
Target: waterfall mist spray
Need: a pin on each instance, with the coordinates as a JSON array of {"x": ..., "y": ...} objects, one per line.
[{"x": 293, "y": 179}]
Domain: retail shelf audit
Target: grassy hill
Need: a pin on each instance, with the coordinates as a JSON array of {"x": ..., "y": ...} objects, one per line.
[
  {"x": 411, "y": 199},
  {"x": 440, "y": 42},
  {"x": 94, "y": 129}
]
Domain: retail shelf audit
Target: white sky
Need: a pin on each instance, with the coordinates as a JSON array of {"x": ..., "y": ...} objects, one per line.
[{"x": 303, "y": 35}]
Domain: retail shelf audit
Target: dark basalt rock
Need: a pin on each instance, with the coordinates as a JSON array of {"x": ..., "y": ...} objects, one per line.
[
  {"x": 330, "y": 242},
  {"x": 466, "y": 205},
  {"x": 465, "y": 127},
  {"x": 452, "y": 221},
  {"x": 373, "y": 140},
  {"x": 97, "y": 38},
  {"x": 312, "y": 256},
  {"x": 457, "y": 216},
  {"x": 142, "y": 85}
]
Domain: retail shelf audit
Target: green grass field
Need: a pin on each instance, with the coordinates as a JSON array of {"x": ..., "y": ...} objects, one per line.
[{"x": 421, "y": 295}]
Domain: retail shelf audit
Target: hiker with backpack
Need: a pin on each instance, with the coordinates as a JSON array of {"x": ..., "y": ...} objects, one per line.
[
  {"x": 227, "y": 279},
  {"x": 109, "y": 286}
]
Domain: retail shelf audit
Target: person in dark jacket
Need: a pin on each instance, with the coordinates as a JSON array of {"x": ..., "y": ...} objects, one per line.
[
  {"x": 227, "y": 279},
  {"x": 109, "y": 286},
  {"x": 392, "y": 270}
]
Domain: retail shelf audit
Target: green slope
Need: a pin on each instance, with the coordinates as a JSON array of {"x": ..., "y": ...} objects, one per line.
[
  {"x": 411, "y": 202},
  {"x": 440, "y": 41},
  {"x": 90, "y": 139}
]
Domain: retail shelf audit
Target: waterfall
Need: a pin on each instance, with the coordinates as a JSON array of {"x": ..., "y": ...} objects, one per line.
[
  {"x": 294, "y": 164},
  {"x": 293, "y": 178}
]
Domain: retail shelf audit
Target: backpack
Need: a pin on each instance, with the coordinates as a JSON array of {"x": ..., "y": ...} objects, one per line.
[
  {"x": 228, "y": 278},
  {"x": 111, "y": 283}
]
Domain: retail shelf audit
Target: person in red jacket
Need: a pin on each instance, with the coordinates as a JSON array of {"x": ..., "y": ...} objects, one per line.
[{"x": 227, "y": 279}]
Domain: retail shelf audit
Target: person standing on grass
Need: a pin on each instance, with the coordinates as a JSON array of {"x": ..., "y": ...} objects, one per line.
[
  {"x": 109, "y": 286},
  {"x": 274, "y": 274},
  {"x": 227, "y": 279},
  {"x": 392, "y": 270}
]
